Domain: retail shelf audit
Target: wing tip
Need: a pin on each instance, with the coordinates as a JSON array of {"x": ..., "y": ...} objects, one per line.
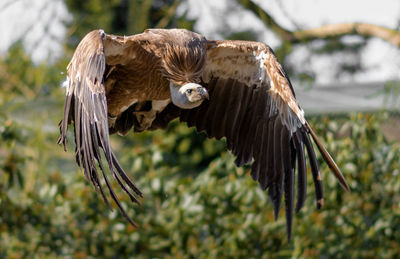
[
  {"x": 344, "y": 185},
  {"x": 320, "y": 203},
  {"x": 329, "y": 160},
  {"x": 62, "y": 140}
]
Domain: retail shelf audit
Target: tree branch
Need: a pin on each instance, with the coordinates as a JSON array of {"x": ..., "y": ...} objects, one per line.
[
  {"x": 325, "y": 31},
  {"x": 336, "y": 30},
  {"x": 267, "y": 19}
]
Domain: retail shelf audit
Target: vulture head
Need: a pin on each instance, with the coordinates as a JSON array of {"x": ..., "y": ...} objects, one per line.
[
  {"x": 183, "y": 58},
  {"x": 188, "y": 96}
]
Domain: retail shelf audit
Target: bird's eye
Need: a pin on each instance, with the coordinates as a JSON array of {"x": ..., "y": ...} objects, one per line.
[{"x": 189, "y": 91}]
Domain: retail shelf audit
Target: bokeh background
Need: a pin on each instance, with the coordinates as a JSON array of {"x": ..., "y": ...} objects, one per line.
[{"x": 197, "y": 204}]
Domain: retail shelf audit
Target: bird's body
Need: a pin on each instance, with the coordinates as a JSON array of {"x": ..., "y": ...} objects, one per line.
[
  {"x": 139, "y": 72},
  {"x": 232, "y": 89}
]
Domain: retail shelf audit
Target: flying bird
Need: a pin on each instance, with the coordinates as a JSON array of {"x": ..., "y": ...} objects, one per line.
[{"x": 232, "y": 89}]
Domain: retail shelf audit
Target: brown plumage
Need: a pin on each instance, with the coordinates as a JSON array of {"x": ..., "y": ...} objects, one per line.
[{"x": 118, "y": 83}]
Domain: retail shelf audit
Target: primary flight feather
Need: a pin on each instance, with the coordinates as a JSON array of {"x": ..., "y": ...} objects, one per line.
[{"x": 231, "y": 89}]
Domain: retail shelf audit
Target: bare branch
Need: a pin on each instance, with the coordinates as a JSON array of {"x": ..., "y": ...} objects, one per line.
[
  {"x": 8, "y": 4},
  {"x": 282, "y": 33},
  {"x": 336, "y": 30},
  {"x": 323, "y": 32}
]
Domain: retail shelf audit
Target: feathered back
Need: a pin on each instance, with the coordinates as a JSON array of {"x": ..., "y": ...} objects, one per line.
[{"x": 183, "y": 55}]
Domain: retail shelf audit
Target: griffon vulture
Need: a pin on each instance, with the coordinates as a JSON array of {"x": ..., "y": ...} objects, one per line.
[{"x": 231, "y": 89}]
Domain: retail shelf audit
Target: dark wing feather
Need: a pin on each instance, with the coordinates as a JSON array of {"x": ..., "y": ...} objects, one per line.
[
  {"x": 288, "y": 181},
  {"x": 86, "y": 107},
  {"x": 301, "y": 171},
  {"x": 252, "y": 104},
  {"x": 314, "y": 171},
  {"x": 245, "y": 133},
  {"x": 254, "y": 135}
]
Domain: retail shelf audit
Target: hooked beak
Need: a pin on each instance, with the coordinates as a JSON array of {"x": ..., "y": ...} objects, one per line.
[{"x": 203, "y": 92}]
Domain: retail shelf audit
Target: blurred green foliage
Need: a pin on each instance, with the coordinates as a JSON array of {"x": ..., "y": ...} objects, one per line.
[
  {"x": 123, "y": 16},
  {"x": 196, "y": 203}
]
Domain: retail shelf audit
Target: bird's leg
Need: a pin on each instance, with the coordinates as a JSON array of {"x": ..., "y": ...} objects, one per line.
[
  {"x": 144, "y": 119},
  {"x": 111, "y": 120}
]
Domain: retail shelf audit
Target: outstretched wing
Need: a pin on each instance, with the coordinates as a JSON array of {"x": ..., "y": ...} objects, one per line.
[
  {"x": 86, "y": 107},
  {"x": 253, "y": 105}
]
